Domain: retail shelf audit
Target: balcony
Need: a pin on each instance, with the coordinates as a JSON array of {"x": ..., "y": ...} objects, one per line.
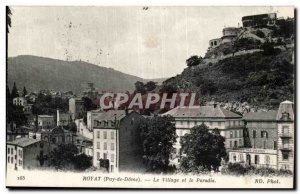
[{"x": 285, "y": 135}]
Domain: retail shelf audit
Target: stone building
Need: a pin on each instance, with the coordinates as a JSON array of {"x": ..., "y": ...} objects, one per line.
[
  {"x": 19, "y": 101},
  {"x": 229, "y": 34},
  {"x": 44, "y": 121},
  {"x": 230, "y": 124},
  {"x": 261, "y": 20},
  {"x": 116, "y": 138},
  {"x": 286, "y": 144},
  {"x": 213, "y": 43},
  {"x": 26, "y": 153},
  {"x": 76, "y": 108},
  {"x": 271, "y": 136}
]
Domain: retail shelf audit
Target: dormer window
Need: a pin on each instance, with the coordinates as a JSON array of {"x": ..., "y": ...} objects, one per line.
[{"x": 285, "y": 116}]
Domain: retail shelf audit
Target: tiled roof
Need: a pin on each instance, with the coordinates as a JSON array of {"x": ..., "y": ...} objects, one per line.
[
  {"x": 261, "y": 116},
  {"x": 23, "y": 142},
  {"x": 202, "y": 112},
  {"x": 112, "y": 115}
]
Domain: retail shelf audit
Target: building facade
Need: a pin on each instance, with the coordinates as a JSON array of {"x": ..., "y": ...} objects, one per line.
[
  {"x": 229, "y": 34},
  {"x": 260, "y": 20},
  {"x": 271, "y": 139},
  {"x": 19, "y": 101},
  {"x": 26, "y": 153},
  {"x": 44, "y": 121},
  {"x": 229, "y": 124},
  {"x": 116, "y": 138}
]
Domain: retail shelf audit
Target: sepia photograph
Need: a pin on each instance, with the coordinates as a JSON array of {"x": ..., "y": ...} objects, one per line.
[{"x": 150, "y": 97}]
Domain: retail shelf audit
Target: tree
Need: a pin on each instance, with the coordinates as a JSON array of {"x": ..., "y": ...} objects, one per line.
[
  {"x": 150, "y": 85},
  {"x": 63, "y": 156},
  {"x": 158, "y": 135},
  {"x": 24, "y": 92},
  {"x": 82, "y": 162},
  {"x": 202, "y": 149},
  {"x": 14, "y": 92},
  {"x": 104, "y": 163},
  {"x": 140, "y": 87},
  {"x": 87, "y": 103},
  {"x": 73, "y": 127},
  {"x": 193, "y": 61}
]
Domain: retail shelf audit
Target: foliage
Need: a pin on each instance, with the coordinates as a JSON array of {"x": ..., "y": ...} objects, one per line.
[
  {"x": 14, "y": 92},
  {"x": 239, "y": 169},
  {"x": 158, "y": 134},
  {"x": 16, "y": 114},
  {"x": 46, "y": 104},
  {"x": 62, "y": 156},
  {"x": 88, "y": 104},
  {"x": 82, "y": 162},
  {"x": 150, "y": 86},
  {"x": 104, "y": 163},
  {"x": 140, "y": 87},
  {"x": 72, "y": 127},
  {"x": 24, "y": 92},
  {"x": 193, "y": 61},
  {"x": 202, "y": 148},
  {"x": 260, "y": 34},
  {"x": 268, "y": 49}
]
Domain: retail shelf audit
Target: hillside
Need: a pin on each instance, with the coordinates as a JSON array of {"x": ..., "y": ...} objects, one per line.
[
  {"x": 257, "y": 73},
  {"x": 37, "y": 73}
]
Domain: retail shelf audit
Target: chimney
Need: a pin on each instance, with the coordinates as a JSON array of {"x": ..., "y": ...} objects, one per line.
[
  {"x": 57, "y": 118},
  {"x": 215, "y": 105}
]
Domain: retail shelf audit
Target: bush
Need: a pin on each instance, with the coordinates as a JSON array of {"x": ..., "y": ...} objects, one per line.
[{"x": 260, "y": 34}]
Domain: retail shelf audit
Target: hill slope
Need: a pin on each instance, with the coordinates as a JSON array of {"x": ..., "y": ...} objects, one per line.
[{"x": 37, "y": 73}]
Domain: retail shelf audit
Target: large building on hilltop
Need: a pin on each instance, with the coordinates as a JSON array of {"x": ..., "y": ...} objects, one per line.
[
  {"x": 271, "y": 139},
  {"x": 229, "y": 123},
  {"x": 260, "y": 20},
  {"x": 116, "y": 139}
]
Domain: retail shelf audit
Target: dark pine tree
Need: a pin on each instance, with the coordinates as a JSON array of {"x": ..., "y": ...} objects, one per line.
[
  {"x": 24, "y": 92},
  {"x": 14, "y": 92}
]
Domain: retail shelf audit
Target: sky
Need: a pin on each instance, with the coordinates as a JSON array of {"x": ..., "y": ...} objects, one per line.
[{"x": 151, "y": 42}]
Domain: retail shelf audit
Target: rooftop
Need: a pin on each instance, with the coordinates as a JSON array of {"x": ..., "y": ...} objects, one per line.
[
  {"x": 261, "y": 116},
  {"x": 202, "y": 112},
  {"x": 112, "y": 115},
  {"x": 23, "y": 142}
]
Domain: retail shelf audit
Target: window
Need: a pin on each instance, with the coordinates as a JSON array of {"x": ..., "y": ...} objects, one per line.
[
  {"x": 112, "y": 157},
  {"x": 12, "y": 160},
  {"x": 275, "y": 145},
  {"x": 285, "y": 143},
  {"x": 98, "y": 155},
  {"x": 254, "y": 133},
  {"x": 98, "y": 145},
  {"x": 8, "y": 159},
  {"x": 8, "y": 150},
  {"x": 105, "y": 156},
  {"x": 111, "y": 168},
  {"x": 112, "y": 146},
  {"x": 241, "y": 133},
  {"x": 241, "y": 158},
  {"x": 219, "y": 123},
  {"x": 256, "y": 159},
  {"x": 105, "y": 135},
  {"x": 285, "y": 155},
  {"x": 105, "y": 146},
  {"x": 20, "y": 153},
  {"x": 20, "y": 162},
  {"x": 231, "y": 134},
  {"x": 240, "y": 142},
  {"x": 235, "y": 133},
  {"x": 112, "y": 135},
  {"x": 285, "y": 130},
  {"x": 230, "y": 144},
  {"x": 98, "y": 134},
  {"x": 264, "y": 134}
]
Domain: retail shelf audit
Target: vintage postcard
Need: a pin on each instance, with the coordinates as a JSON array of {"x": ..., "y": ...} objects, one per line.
[{"x": 150, "y": 97}]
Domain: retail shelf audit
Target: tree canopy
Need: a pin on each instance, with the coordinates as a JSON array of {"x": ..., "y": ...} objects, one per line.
[
  {"x": 158, "y": 134},
  {"x": 202, "y": 149}
]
